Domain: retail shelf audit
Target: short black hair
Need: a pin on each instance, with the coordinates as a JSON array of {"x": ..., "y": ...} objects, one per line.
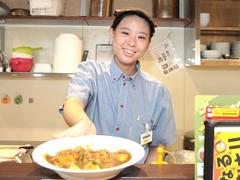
[{"x": 120, "y": 15}]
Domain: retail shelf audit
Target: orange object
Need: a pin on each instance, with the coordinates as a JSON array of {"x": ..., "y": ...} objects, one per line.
[{"x": 6, "y": 99}]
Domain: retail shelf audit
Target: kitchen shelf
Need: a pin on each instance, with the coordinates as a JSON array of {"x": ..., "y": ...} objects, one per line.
[
  {"x": 172, "y": 22},
  {"x": 223, "y": 27},
  {"x": 35, "y": 75},
  {"x": 43, "y": 20},
  {"x": 220, "y": 31},
  {"x": 83, "y": 21},
  {"x": 220, "y": 62},
  {"x": 71, "y": 21}
]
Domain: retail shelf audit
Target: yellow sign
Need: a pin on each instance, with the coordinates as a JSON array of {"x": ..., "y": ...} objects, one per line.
[
  {"x": 226, "y": 153},
  {"x": 225, "y": 112}
]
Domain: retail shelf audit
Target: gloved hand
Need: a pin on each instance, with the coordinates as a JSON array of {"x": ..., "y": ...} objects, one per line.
[{"x": 79, "y": 129}]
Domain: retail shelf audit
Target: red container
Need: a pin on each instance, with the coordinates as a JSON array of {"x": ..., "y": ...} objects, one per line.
[{"x": 21, "y": 64}]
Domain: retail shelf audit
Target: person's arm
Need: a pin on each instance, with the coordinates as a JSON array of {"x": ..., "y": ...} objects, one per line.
[
  {"x": 75, "y": 116},
  {"x": 73, "y": 111}
]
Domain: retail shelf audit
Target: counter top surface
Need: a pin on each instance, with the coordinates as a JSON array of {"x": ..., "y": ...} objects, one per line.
[
  {"x": 32, "y": 171},
  {"x": 11, "y": 170}
]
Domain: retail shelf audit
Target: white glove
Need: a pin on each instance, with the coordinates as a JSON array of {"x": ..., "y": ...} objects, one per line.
[{"x": 79, "y": 129}]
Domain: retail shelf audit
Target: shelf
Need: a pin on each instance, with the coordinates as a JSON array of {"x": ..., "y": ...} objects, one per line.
[
  {"x": 83, "y": 21},
  {"x": 172, "y": 22},
  {"x": 43, "y": 20},
  {"x": 220, "y": 62},
  {"x": 220, "y": 30},
  {"x": 36, "y": 75}
]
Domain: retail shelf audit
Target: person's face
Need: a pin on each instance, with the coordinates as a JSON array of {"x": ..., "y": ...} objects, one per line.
[{"x": 130, "y": 40}]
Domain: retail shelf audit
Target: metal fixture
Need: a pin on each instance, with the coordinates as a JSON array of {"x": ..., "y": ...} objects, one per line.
[{"x": 101, "y": 7}]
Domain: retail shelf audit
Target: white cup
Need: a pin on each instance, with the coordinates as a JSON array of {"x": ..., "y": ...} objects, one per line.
[
  {"x": 203, "y": 47},
  {"x": 204, "y": 19}
]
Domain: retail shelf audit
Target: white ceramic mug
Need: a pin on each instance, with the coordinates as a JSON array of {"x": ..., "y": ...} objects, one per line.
[{"x": 204, "y": 19}]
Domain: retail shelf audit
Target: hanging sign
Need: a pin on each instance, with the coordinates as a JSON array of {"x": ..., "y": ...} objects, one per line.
[{"x": 164, "y": 53}]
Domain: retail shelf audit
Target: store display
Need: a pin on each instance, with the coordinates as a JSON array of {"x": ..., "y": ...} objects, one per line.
[
  {"x": 211, "y": 107},
  {"x": 222, "y": 149}
]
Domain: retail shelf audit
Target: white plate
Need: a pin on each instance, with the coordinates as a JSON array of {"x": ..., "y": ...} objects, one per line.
[{"x": 95, "y": 142}]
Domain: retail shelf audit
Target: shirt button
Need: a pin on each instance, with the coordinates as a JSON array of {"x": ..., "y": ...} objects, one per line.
[
  {"x": 117, "y": 129},
  {"x": 121, "y": 106},
  {"x": 114, "y": 79},
  {"x": 123, "y": 77},
  {"x": 124, "y": 84}
]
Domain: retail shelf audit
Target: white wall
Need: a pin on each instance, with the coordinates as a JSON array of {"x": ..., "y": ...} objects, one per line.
[{"x": 31, "y": 121}]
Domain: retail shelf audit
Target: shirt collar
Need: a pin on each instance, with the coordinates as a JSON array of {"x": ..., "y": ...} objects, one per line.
[{"x": 116, "y": 72}]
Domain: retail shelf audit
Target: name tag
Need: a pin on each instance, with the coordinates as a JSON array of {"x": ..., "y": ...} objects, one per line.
[{"x": 146, "y": 138}]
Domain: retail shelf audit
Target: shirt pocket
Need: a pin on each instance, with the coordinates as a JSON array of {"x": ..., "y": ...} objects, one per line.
[{"x": 138, "y": 128}]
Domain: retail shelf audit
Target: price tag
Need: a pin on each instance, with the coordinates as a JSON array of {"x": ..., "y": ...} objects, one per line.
[{"x": 147, "y": 136}]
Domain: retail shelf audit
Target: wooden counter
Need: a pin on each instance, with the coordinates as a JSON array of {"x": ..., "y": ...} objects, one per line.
[
  {"x": 11, "y": 170},
  {"x": 32, "y": 171}
]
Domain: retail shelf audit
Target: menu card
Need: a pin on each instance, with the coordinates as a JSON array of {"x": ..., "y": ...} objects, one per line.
[
  {"x": 222, "y": 150},
  {"x": 211, "y": 107}
]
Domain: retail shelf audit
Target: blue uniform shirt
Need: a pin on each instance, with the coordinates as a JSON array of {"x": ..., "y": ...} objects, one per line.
[{"x": 121, "y": 105}]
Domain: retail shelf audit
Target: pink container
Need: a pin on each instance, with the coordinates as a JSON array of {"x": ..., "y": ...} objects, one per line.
[{"x": 21, "y": 64}]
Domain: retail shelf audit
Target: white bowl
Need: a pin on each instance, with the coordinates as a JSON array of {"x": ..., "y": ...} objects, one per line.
[
  {"x": 211, "y": 54},
  {"x": 95, "y": 142},
  {"x": 21, "y": 55}
]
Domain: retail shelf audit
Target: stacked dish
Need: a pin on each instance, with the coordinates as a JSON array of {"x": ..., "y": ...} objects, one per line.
[
  {"x": 235, "y": 49},
  {"x": 211, "y": 54},
  {"x": 22, "y": 59},
  {"x": 223, "y": 47}
]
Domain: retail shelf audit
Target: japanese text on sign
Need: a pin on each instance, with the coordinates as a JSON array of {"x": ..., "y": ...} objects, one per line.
[{"x": 165, "y": 55}]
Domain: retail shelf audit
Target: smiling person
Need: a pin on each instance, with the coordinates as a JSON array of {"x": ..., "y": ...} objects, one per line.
[{"x": 118, "y": 98}]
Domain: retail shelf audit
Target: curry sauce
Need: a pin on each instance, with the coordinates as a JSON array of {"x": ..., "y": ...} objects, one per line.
[{"x": 86, "y": 158}]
